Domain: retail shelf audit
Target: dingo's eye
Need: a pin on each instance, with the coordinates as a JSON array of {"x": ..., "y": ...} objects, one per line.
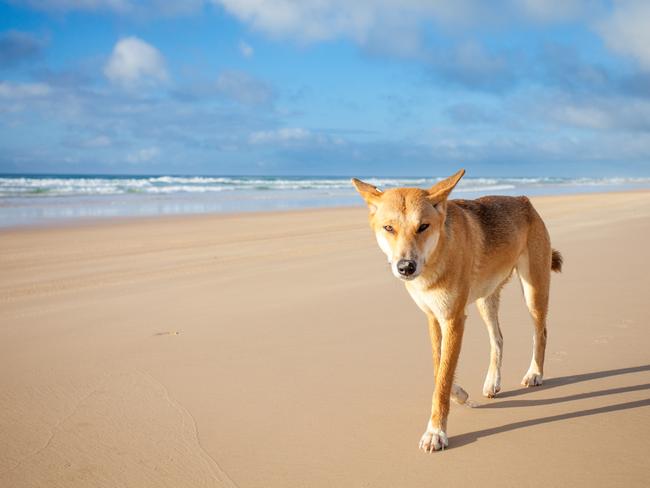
[
  {"x": 423, "y": 227},
  {"x": 389, "y": 228}
]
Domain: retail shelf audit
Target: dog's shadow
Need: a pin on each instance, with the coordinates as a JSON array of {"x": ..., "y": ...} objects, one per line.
[{"x": 470, "y": 437}]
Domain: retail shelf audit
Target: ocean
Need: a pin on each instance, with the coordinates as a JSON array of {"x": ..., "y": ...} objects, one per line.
[{"x": 42, "y": 199}]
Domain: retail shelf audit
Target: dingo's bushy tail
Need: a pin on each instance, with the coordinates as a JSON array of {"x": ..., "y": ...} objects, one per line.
[{"x": 556, "y": 261}]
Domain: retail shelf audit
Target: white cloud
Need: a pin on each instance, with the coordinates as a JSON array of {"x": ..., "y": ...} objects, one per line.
[
  {"x": 284, "y": 135},
  {"x": 143, "y": 155},
  {"x": 246, "y": 49},
  {"x": 611, "y": 114},
  {"x": 547, "y": 11},
  {"x": 308, "y": 20},
  {"x": 345, "y": 16},
  {"x": 23, "y": 90},
  {"x": 627, "y": 30},
  {"x": 243, "y": 88},
  {"x": 295, "y": 136},
  {"x": 588, "y": 117},
  {"x": 90, "y": 5},
  {"x": 134, "y": 62},
  {"x": 366, "y": 20},
  {"x": 472, "y": 57},
  {"x": 97, "y": 142},
  {"x": 132, "y": 7}
]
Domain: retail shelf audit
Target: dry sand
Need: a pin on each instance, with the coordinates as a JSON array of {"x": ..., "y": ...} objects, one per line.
[{"x": 277, "y": 350}]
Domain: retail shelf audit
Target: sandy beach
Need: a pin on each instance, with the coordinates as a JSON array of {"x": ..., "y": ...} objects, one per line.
[{"x": 277, "y": 350}]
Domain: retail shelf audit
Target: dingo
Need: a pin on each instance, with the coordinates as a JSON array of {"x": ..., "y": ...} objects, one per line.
[{"x": 451, "y": 253}]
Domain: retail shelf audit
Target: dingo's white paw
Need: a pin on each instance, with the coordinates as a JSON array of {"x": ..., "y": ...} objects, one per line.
[
  {"x": 532, "y": 379},
  {"x": 492, "y": 386},
  {"x": 433, "y": 440},
  {"x": 459, "y": 395}
]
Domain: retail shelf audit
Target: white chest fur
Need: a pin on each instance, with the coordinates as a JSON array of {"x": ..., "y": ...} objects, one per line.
[
  {"x": 441, "y": 301},
  {"x": 432, "y": 300}
]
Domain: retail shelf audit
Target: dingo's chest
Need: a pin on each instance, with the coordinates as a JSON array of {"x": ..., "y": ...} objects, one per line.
[
  {"x": 432, "y": 300},
  {"x": 441, "y": 302}
]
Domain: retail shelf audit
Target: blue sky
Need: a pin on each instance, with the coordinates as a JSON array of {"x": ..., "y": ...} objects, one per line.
[{"x": 326, "y": 87}]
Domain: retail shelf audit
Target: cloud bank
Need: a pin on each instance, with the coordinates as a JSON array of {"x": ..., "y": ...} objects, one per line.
[{"x": 333, "y": 86}]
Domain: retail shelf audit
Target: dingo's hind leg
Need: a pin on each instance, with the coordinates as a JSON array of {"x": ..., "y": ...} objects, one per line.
[
  {"x": 534, "y": 269},
  {"x": 488, "y": 307}
]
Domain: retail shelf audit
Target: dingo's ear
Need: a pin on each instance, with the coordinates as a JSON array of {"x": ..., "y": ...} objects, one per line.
[
  {"x": 441, "y": 190},
  {"x": 371, "y": 194}
]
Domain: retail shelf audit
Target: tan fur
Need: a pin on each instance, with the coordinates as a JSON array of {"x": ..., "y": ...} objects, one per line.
[{"x": 466, "y": 254}]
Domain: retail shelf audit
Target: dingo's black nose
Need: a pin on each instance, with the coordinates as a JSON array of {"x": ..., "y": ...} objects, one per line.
[{"x": 406, "y": 267}]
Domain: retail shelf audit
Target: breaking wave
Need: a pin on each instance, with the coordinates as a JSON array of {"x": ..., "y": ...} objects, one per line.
[{"x": 51, "y": 186}]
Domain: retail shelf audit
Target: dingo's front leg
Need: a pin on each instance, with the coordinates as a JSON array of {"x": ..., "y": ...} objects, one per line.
[
  {"x": 435, "y": 437},
  {"x": 458, "y": 395}
]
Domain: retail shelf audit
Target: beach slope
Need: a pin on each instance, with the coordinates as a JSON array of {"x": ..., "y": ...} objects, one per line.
[{"x": 277, "y": 350}]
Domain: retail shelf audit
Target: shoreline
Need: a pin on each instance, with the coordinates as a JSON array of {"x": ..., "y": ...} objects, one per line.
[{"x": 171, "y": 217}]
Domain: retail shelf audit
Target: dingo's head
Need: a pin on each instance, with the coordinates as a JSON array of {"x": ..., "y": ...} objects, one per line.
[{"x": 408, "y": 222}]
